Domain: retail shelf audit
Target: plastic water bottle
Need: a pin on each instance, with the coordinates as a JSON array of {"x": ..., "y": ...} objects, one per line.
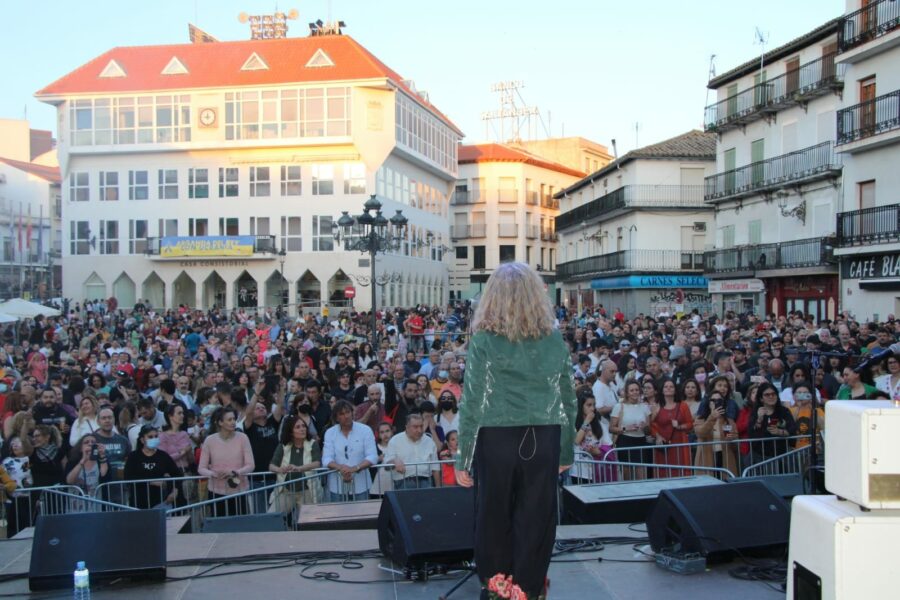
[{"x": 82, "y": 582}]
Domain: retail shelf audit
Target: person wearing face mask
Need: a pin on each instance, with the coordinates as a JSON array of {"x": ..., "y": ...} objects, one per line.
[
  {"x": 448, "y": 418},
  {"x": 148, "y": 462},
  {"x": 454, "y": 382}
]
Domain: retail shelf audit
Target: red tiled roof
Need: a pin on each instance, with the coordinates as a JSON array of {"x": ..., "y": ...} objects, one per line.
[
  {"x": 51, "y": 174},
  {"x": 219, "y": 65},
  {"x": 479, "y": 153}
]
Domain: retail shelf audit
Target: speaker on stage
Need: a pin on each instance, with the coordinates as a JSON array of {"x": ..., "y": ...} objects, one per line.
[
  {"x": 113, "y": 545},
  {"x": 433, "y": 525},
  {"x": 245, "y": 523},
  {"x": 716, "y": 521}
]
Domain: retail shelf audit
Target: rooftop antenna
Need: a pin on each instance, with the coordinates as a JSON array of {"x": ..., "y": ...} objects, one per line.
[
  {"x": 637, "y": 127},
  {"x": 712, "y": 75},
  {"x": 513, "y": 117},
  {"x": 267, "y": 27},
  {"x": 616, "y": 153},
  {"x": 761, "y": 39}
]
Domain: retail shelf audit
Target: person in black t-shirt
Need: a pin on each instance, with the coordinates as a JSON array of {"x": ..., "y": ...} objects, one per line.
[
  {"x": 262, "y": 429},
  {"x": 149, "y": 463}
]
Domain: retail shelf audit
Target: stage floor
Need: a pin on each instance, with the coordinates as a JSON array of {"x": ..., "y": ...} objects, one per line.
[{"x": 571, "y": 580}]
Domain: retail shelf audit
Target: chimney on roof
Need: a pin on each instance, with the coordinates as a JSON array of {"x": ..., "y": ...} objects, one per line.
[{"x": 320, "y": 28}]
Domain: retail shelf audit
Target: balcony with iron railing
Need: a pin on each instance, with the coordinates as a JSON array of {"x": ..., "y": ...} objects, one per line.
[
  {"x": 794, "y": 87},
  {"x": 548, "y": 235},
  {"x": 531, "y": 198},
  {"x": 633, "y": 196},
  {"x": 532, "y": 232},
  {"x": 813, "y": 252},
  {"x": 870, "y": 118},
  {"x": 548, "y": 201},
  {"x": 801, "y": 166},
  {"x": 625, "y": 261},
  {"x": 261, "y": 244},
  {"x": 464, "y": 197},
  {"x": 871, "y": 22},
  {"x": 876, "y": 225},
  {"x": 459, "y": 232}
]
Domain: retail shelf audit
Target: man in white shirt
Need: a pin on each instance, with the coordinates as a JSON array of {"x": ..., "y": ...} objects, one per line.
[
  {"x": 605, "y": 393},
  {"x": 411, "y": 447},
  {"x": 350, "y": 450}
]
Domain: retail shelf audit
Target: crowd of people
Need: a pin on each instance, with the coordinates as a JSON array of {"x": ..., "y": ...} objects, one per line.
[{"x": 243, "y": 400}]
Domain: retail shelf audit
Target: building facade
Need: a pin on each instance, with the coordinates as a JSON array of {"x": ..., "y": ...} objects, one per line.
[
  {"x": 868, "y": 140},
  {"x": 632, "y": 234},
  {"x": 30, "y": 211},
  {"x": 778, "y": 181},
  {"x": 211, "y": 174},
  {"x": 503, "y": 210}
]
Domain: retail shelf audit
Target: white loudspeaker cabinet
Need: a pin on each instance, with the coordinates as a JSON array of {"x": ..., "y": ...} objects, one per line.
[
  {"x": 862, "y": 462},
  {"x": 838, "y": 551}
]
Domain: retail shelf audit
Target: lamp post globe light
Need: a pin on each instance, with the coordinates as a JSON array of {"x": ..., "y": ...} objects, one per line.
[{"x": 375, "y": 234}]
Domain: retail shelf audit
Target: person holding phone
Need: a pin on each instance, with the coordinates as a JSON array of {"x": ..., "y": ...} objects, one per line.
[
  {"x": 87, "y": 467},
  {"x": 770, "y": 425}
]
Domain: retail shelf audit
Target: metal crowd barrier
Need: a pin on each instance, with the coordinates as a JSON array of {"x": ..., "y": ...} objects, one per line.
[
  {"x": 608, "y": 471},
  {"x": 23, "y": 506},
  {"x": 793, "y": 462},
  {"x": 766, "y": 447}
]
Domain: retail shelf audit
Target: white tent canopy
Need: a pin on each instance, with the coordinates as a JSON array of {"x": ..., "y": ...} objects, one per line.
[
  {"x": 5, "y": 318},
  {"x": 23, "y": 309}
]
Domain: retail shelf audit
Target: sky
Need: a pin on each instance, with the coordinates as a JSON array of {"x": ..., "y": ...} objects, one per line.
[{"x": 592, "y": 68}]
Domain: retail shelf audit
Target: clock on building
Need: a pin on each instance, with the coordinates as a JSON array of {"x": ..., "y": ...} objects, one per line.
[{"x": 207, "y": 117}]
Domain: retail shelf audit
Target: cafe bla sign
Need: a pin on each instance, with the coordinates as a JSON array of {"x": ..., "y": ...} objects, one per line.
[{"x": 884, "y": 266}]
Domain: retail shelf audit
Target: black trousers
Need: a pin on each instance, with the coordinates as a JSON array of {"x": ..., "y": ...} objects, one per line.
[{"x": 516, "y": 474}]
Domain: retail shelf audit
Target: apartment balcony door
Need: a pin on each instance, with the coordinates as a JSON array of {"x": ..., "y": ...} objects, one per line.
[
  {"x": 729, "y": 163},
  {"x": 792, "y": 75},
  {"x": 757, "y": 155},
  {"x": 867, "y": 110},
  {"x": 829, "y": 51}
]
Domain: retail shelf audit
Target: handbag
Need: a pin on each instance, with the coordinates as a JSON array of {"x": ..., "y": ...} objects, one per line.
[{"x": 313, "y": 492}]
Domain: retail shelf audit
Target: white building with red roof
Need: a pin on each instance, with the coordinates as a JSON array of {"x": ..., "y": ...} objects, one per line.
[
  {"x": 188, "y": 168},
  {"x": 503, "y": 207},
  {"x": 30, "y": 204}
]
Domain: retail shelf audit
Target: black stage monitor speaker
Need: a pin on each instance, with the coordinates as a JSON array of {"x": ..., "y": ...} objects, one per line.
[
  {"x": 433, "y": 526},
  {"x": 716, "y": 521},
  {"x": 245, "y": 524},
  {"x": 113, "y": 545}
]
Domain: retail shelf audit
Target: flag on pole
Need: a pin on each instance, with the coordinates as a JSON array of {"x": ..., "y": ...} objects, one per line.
[
  {"x": 20, "y": 227},
  {"x": 28, "y": 234},
  {"x": 40, "y": 247}
]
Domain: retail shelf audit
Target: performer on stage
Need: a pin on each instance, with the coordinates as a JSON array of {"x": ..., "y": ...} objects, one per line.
[{"x": 516, "y": 427}]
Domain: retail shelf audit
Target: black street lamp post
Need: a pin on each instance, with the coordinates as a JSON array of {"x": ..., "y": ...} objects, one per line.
[{"x": 377, "y": 234}]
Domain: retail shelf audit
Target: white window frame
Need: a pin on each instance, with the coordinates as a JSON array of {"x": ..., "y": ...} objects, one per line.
[
  {"x": 167, "y": 184},
  {"x": 291, "y": 180},
  {"x": 80, "y": 186},
  {"x": 229, "y": 177},
  {"x": 198, "y": 182},
  {"x": 323, "y": 180},
  {"x": 323, "y": 239},
  {"x": 136, "y": 186},
  {"x": 260, "y": 182},
  {"x": 138, "y": 244},
  {"x": 109, "y": 186}
]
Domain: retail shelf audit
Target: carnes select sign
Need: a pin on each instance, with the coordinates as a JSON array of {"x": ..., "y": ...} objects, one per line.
[{"x": 883, "y": 266}]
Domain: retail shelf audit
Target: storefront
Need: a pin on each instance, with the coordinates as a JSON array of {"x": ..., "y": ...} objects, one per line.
[
  {"x": 815, "y": 295},
  {"x": 738, "y": 295},
  {"x": 653, "y": 294},
  {"x": 870, "y": 285}
]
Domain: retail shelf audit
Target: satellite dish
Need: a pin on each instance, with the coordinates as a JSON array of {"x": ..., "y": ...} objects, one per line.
[
  {"x": 293, "y": 14},
  {"x": 243, "y": 17}
]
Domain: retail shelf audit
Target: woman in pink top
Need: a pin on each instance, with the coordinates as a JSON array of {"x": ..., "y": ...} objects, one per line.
[
  {"x": 175, "y": 441},
  {"x": 226, "y": 458}
]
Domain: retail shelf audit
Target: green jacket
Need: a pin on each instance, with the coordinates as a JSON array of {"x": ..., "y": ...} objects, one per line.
[{"x": 511, "y": 384}]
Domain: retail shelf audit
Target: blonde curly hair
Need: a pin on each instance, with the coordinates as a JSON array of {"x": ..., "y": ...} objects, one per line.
[{"x": 514, "y": 304}]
